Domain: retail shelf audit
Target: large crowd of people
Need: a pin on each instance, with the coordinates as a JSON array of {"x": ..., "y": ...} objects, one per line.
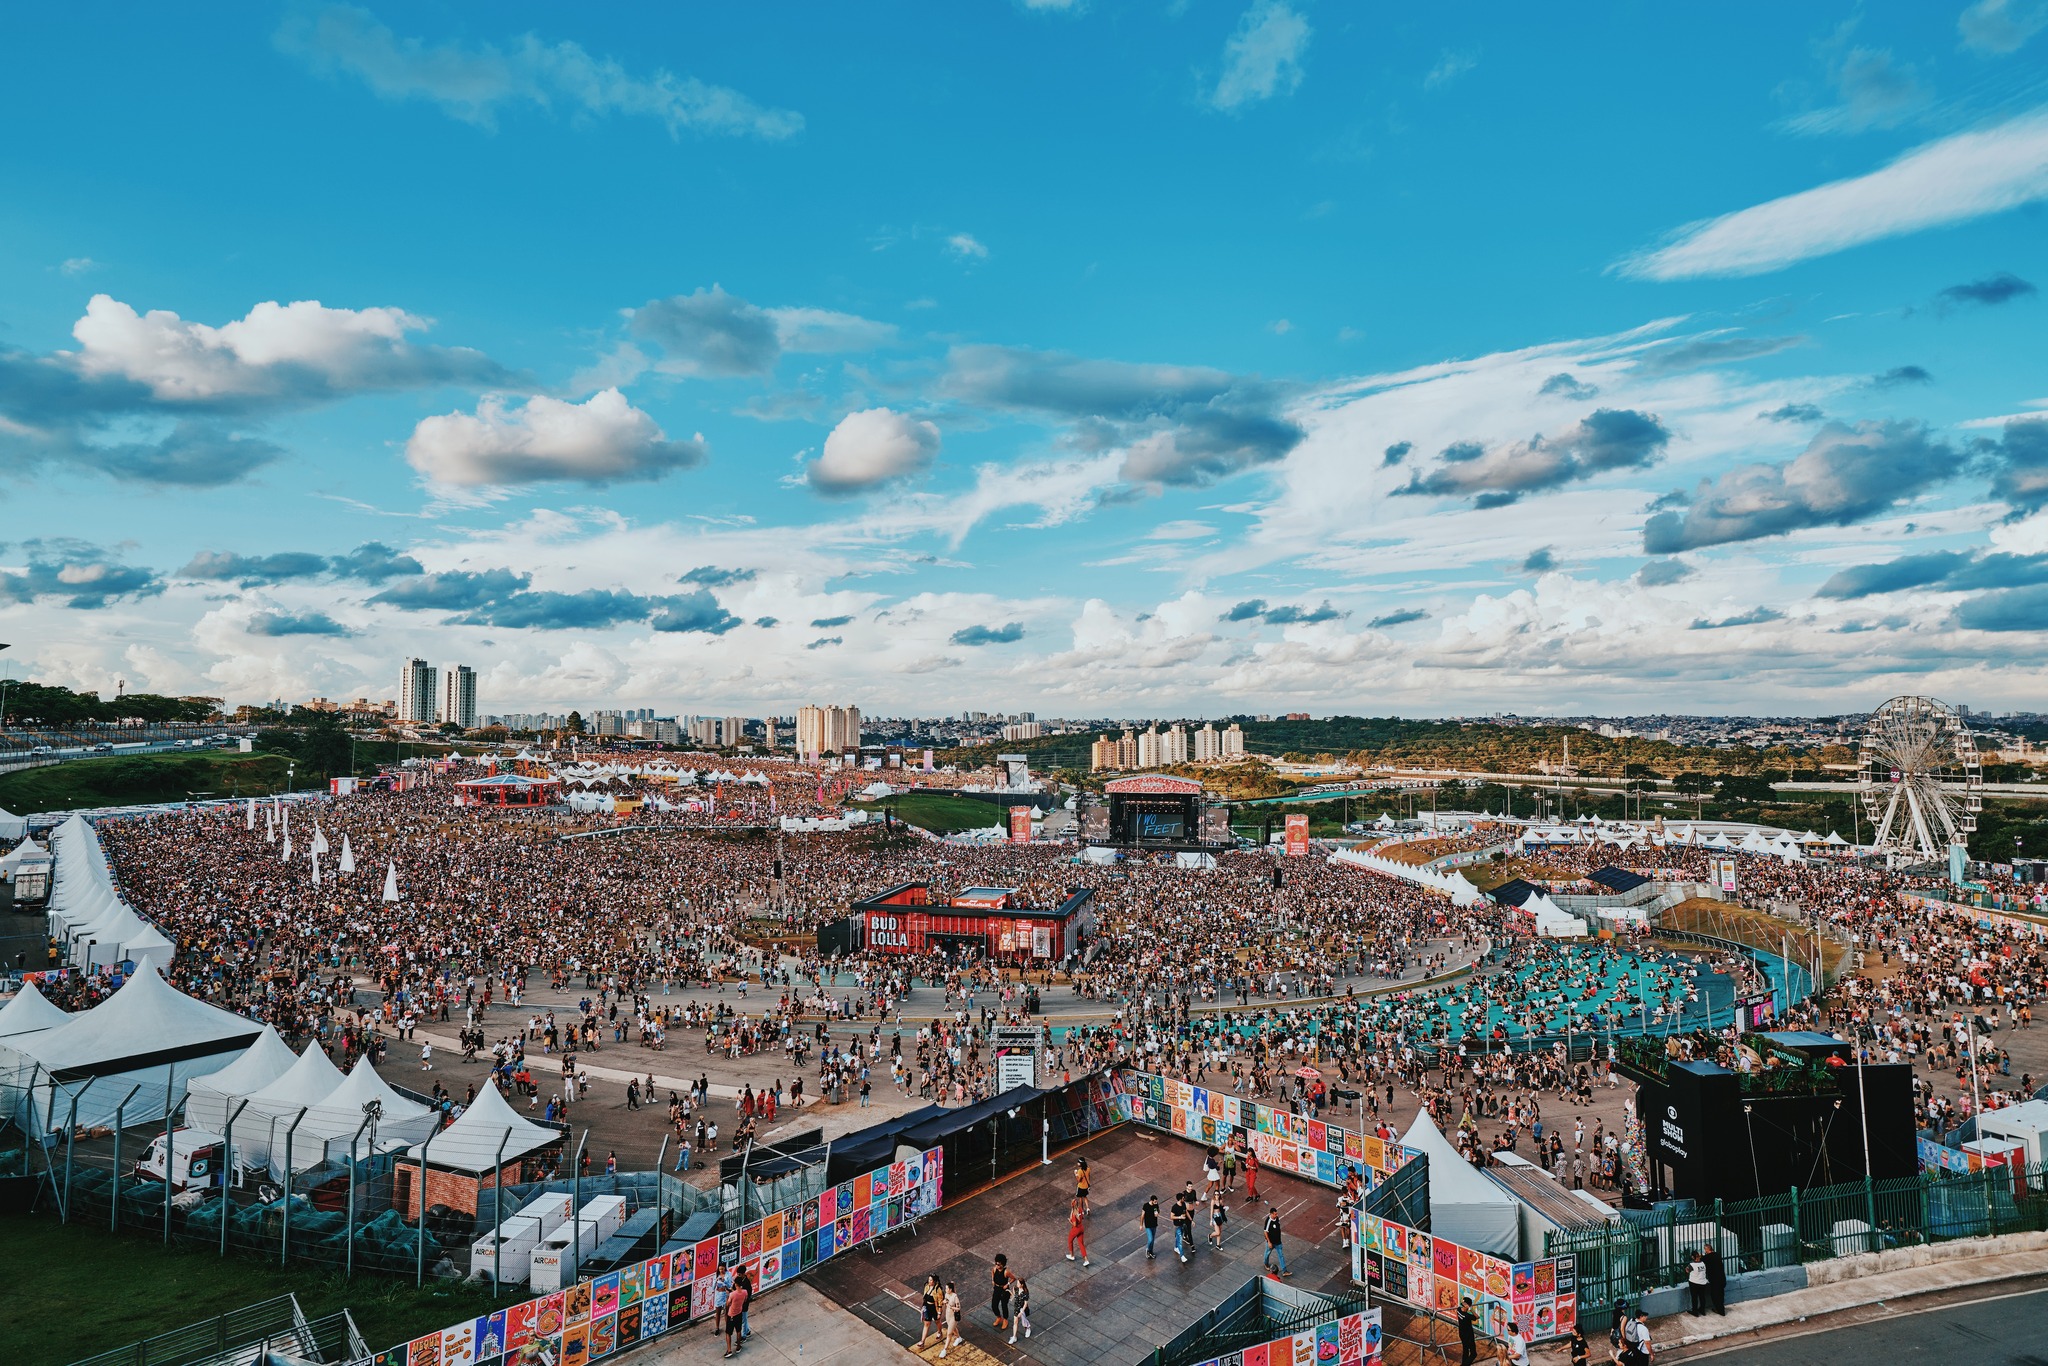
[{"x": 684, "y": 928}]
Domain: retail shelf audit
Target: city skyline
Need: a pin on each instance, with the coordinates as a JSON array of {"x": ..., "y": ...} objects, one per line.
[{"x": 1276, "y": 358}]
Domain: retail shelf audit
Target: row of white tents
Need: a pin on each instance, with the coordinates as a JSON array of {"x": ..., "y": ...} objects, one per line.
[
  {"x": 1452, "y": 884},
  {"x": 87, "y": 915}
]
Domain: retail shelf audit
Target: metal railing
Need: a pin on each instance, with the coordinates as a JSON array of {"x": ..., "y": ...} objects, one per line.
[
  {"x": 238, "y": 1331},
  {"x": 1649, "y": 1250}
]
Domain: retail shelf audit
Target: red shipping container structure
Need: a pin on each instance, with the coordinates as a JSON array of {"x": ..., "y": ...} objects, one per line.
[{"x": 989, "y": 922}]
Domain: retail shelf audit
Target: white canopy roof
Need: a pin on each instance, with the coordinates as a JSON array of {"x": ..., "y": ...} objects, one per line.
[
  {"x": 306, "y": 1083},
  {"x": 261, "y": 1063},
  {"x": 340, "y": 1115},
  {"x": 473, "y": 1142},
  {"x": 1464, "y": 1206},
  {"x": 26, "y": 849},
  {"x": 12, "y": 827},
  {"x": 29, "y": 1012},
  {"x": 147, "y": 1023}
]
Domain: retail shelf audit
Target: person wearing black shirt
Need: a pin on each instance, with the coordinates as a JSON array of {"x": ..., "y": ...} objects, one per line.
[
  {"x": 1149, "y": 1217},
  {"x": 1468, "y": 1333}
]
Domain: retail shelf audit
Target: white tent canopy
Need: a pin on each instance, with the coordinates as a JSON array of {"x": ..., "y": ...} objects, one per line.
[
  {"x": 26, "y": 849},
  {"x": 488, "y": 1128},
  {"x": 210, "y": 1101},
  {"x": 30, "y": 1012},
  {"x": 146, "y": 1037},
  {"x": 271, "y": 1112},
  {"x": 12, "y": 827},
  {"x": 336, "y": 1121},
  {"x": 1464, "y": 1206}
]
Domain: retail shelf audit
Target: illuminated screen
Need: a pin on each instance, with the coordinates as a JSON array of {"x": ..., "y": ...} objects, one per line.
[{"x": 1161, "y": 825}]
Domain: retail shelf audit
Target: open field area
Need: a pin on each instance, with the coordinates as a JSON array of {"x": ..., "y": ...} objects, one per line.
[
  {"x": 940, "y": 812},
  {"x": 100, "y": 1292},
  {"x": 137, "y": 778}
]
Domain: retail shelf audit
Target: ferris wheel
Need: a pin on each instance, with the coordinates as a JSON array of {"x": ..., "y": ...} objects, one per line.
[{"x": 1920, "y": 779}]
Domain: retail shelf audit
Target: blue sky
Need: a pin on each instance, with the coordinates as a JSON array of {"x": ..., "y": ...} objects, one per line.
[{"x": 1087, "y": 358}]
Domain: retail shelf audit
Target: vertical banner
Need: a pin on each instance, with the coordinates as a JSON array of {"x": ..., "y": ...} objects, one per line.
[
  {"x": 1724, "y": 873},
  {"x": 1297, "y": 836},
  {"x": 1020, "y": 825}
]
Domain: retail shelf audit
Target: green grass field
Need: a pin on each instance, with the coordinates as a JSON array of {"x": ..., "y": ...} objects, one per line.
[
  {"x": 941, "y": 812},
  {"x": 93, "y": 1291},
  {"x": 136, "y": 778}
]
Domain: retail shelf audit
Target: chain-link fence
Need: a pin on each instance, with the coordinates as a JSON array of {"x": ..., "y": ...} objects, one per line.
[{"x": 1649, "y": 1250}]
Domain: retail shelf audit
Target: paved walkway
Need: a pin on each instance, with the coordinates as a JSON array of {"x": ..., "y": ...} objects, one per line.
[{"x": 794, "y": 1325}]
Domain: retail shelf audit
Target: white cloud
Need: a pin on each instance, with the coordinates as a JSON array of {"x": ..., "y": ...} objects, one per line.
[
  {"x": 870, "y": 448},
  {"x": 966, "y": 246},
  {"x": 1448, "y": 68},
  {"x": 1875, "y": 91},
  {"x": 2001, "y": 26},
  {"x": 1948, "y": 181},
  {"x": 823, "y": 329},
  {"x": 79, "y": 265},
  {"x": 601, "y": 440},
  {"x": 472, "y": 82},
  {"x": 1263, "y": 58},
  {"x": 301, "y": 349}
]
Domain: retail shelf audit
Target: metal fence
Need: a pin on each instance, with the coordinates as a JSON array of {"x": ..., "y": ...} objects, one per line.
[
  {"x": 246, "y": 1334},
  {"x": 1648, "y": 1250}
]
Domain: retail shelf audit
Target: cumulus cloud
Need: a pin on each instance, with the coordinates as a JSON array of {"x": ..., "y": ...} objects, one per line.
[
  {"x": 296, "y": 352},
  {"x": 1951, "y": 180},
  {"x": 1396, "y": 453},
  {"x": 710, "y": 333},
  {"x": 1844, "y": 475},
  {"x": 1263, "y": 57},
  {"x": 2018, "y": 461},
  {"x": 1281, "y": 614},
  {"x": 1990, "y": 291},
  {"x": 2014, "y": 609},
  {"x": 711, "y": 576},
  {"x": 1174, "y": 424},
  {"x": 967, "y": 247},
  {"x": 870, "y": 448},
  {"x": 295, "y": 624},
  {"x": 1998, "y": 27},
  {"x": 1941, "y": 570},
  {"x": 251, "y": 570},
  {"x": 372, "y": 562},
  {"x": 1607, "y": 439},
  {"x": 454, "y": 590},
  {"x": 191, "y": 455},
  {"x": 474, "y": 81},
  {"x": 76, "y": 573},
  {"x": 602, "y": 440},
  {"x": 989, "y": 635},
  {"x": 697, "y": 612},
  {"x": 1566, "y": 385},
  {"x": 1662, "y": 573},
  {"x": 1755, "y": 616},
  {"x": 1901, "y": 374}
]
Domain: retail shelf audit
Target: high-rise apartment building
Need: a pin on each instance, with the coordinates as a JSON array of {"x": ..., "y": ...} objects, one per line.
[
  {"x": 1023, "y": 730},
  {"x": 418, "y": 695},
  {"x": 827, "y": 730},
  {"x": 458, "y": 695},
  {"x": 1233, "y": 742}
]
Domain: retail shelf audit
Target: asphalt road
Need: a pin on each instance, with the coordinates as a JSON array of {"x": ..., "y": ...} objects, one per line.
[{"x": 2005, "y": 1328}]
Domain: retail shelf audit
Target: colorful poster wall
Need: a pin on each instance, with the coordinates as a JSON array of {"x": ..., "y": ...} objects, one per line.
[
  {"x": 600, "y": 1317},
  {"x": 1281, "y": 1141},
  {"x": 1353, "y": 1340},
  {"x": 1433, "y": 1274}
]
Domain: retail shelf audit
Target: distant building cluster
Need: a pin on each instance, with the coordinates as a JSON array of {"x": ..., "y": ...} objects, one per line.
[
  {"x": 1156, "y": 748},
  {"x": 429, "y": 696},
  {"x": 826, "y": 730}
]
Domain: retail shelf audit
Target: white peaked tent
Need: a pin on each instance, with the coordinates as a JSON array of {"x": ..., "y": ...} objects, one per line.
[
  {"x": 391, "y": 880},
  {"x": 12, "y": 827},
  {"x": 336, "y": 1121},
  {"x": 348, "y": 856},
  {"x": 1464, "y": 1206},
  {"x": 249, "y": 816},
  {"x": 211, "y": 1100},
  {"x": 30, "y": 1012},
  {"x": 271, "y": 1112},
  {"x": 146, "y": 1037},
  {"x": 28, "y": 848},
  {"x": 475, "y": 1140}
]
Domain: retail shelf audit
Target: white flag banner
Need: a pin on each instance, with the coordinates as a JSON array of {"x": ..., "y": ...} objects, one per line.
[
  {"x": 250, "y": 822},
  {"x": 319, "y": 845},
  {"x": 348, "y": 856},
  {"x": 391, "y": 881}
]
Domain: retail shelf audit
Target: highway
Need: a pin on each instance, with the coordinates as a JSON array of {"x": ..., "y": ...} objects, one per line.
[{"x": 2006, "y": 1327}]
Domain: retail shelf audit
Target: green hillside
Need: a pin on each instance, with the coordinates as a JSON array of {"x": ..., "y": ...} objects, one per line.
[{"x": 133, "y": 779}]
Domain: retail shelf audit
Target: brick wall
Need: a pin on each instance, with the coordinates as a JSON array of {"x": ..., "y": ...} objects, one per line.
[{"x": 456, "y": 1190}]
